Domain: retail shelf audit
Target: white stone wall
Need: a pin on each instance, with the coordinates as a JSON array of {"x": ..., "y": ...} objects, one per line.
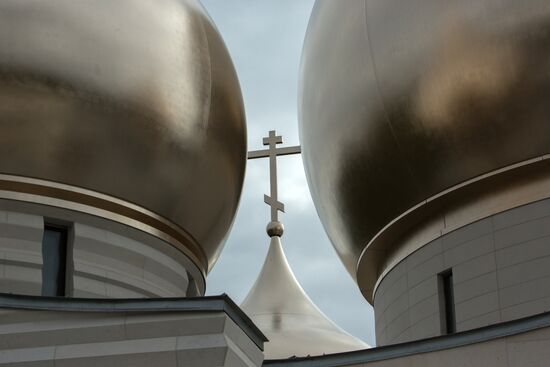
[
  {"x": 132, "y": 339},
  {"x": 21, "y": 253},
  {"x": 100, "y": 263},
  {"x": 501, "y": 272},
  {"x": 113, "y": 266}
]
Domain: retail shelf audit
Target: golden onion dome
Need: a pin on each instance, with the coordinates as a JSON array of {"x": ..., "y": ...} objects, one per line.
[
  {"x": 125, "y": 109},
  {"x": 402, "y": 100}
]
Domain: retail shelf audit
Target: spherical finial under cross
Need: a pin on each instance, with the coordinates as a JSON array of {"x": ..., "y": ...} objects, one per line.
[{"x": 275, "y": 229}]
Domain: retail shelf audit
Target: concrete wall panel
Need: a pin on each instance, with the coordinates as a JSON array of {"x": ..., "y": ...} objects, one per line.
[
  {"x": 127, "y": 268},
  {"x": 48, "y": 338},
  {"x": 21, "y": 253},
  {"x": 100, "y": 263},
  {"x": 501, "y": 271}
]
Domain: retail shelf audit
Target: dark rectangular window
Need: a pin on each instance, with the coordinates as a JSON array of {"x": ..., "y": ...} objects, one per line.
[
  {"x": 54, "y": 258},
  {"x": 447, "y": 302}
]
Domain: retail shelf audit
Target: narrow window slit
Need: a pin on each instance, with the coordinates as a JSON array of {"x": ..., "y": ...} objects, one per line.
[
  {"x": 446, "y": 302},
  {"x": 54, "y": 258}
]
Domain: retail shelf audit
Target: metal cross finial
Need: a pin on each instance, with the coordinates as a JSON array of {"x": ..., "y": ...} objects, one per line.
[
  {"x": 272, "y": 140},
  {"x": 274, "y": 228}
]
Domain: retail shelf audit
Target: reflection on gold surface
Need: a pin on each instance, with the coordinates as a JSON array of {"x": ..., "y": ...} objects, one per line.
[
  {"x": 402, "y": 100},
  {"x": 473, "y": 73}
]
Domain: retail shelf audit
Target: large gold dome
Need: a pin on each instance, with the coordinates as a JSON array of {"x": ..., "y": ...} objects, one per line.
[
  {"x": 126, "y": 109},
  {"x": 402, "y": 100}
]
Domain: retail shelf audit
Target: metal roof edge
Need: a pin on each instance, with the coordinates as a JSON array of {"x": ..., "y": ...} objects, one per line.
[
  {"x": 221, "y": 303},
  {"x": 483, "y": 334}
]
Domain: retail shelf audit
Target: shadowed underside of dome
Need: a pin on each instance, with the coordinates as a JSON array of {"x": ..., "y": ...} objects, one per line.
[{"x": 293, "y": 324}]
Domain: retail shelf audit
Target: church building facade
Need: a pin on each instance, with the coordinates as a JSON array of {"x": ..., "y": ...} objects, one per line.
[{"x": 425, "y": 136}]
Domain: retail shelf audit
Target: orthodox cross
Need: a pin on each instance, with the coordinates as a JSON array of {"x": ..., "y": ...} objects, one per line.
[{"x": 272, "y": 152}]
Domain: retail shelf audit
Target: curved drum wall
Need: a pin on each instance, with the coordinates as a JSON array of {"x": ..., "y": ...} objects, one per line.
[
  {"x": 110, "y": 265},
  {"x": 20, "y": 253},
  {"x": 100, "y": 263},
  {"x": 501, "y": 272}
]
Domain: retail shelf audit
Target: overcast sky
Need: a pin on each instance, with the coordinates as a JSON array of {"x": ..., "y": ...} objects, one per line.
[{"x": 264, "y": 38}]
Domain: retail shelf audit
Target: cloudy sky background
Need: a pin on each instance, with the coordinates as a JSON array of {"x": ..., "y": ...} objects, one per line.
[{"x": 265, "y": 40}]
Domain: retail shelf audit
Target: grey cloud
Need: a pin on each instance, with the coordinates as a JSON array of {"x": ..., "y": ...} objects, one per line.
[{"x": 265, "y": 40}]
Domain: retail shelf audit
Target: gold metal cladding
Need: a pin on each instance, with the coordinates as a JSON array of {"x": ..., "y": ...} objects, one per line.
[
  {"x": 489, "y": 194},
  {"x": 138, "y": 100},
  {"x": 411, "y": 98},
  {"x": 77, "y": 199}
]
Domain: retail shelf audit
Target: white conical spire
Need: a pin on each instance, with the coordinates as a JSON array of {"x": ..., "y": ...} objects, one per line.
[
  {"x": 277, "y": 303},
  {"x": 293, "y": 324}
]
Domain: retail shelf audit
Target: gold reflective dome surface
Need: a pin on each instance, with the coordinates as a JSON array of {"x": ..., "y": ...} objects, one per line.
[
  {"x": 401, "y": 100},
  {"x": 136, "y": 101}
]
